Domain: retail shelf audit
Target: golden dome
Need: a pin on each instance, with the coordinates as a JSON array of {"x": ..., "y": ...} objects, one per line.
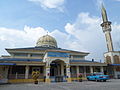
[{"x": 46, "y": 41}]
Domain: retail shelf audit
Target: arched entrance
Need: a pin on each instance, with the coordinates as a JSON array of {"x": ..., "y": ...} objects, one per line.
[{"x": 57, "y": 70}]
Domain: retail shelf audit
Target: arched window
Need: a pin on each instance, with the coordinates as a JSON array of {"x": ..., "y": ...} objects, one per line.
[
  {"x": 116, "y": 59},
  {"x": 108, "y": 60}
]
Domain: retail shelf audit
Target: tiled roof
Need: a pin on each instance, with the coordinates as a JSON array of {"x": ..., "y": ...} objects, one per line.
[
  {"x": 19, "y": 59},
  {"x": 44, "y": 48},
  {"x": 114, "y": 64},
  {"x": 87, "y": 61},
  {"x": 7, "y": 64}
]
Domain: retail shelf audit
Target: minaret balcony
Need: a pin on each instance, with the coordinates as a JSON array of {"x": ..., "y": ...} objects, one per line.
[{"x": 106, "y": 26}]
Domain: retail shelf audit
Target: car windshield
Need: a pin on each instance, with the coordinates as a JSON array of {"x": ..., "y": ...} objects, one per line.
[
  {"x": 99, "y": 74},
  {"x": 94, "y": 74}
]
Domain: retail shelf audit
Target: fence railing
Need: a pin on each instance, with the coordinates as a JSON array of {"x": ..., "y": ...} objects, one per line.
[
  {"x": 22, "y": 76},
  {"x": 77, "y": 75},
  {"x": 16, "y": 76}
]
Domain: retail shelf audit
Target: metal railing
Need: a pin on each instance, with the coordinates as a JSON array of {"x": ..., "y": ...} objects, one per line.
[
  {"x": 22, "y": 76},
  {"x": 16, "y": 76}
]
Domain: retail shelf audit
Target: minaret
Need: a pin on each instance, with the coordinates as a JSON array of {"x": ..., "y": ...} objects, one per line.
[{"x": 106, "y": 27}]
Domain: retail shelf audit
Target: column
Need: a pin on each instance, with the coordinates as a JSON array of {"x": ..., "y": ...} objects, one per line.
[
  {"x": 91, "y": 69},
  {"x": 6, "y": 74},
  {"x": 58, "y": 68},
  {"x": 115, "y": 72},
  {"x": 16, "y": 75},
  {"x": 62, "y": 69},
  {"x": 44, "y": 70},
  {"x": 85, "y": 71},
  {"x": 10, "y": 67},
  {"x": 68, "y": 73},
  {"x": 47, "y": 79},
  {"x": 101, "y": 69},
  {"x": 77, "y": 70},
  {"x": 26, "y": 72}
]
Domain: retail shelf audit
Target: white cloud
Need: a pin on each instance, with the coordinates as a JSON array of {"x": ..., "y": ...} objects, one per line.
[
  {"x": 116, "y": 36},
  {"x": 67, "y": 41},
  {"x": 85, "y": 34},
  {"x": 12, "y": 38},
  {"x": 98, "y": 3},
  {"x": 117, "y": 0},
  {"x": 52, "y": 4},
  {"x": 86, "y": 29}
]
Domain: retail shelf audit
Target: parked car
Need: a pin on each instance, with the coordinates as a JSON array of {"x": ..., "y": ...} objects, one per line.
[{"x": 98, "y": 77}]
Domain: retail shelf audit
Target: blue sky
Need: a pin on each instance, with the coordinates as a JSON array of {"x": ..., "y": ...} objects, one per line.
[
  {"x": 78, "y": 21},
  {"x": 18, "y": 13}
]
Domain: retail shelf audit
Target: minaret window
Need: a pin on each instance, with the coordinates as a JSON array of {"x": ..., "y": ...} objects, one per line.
[
  {"x": 116, "y": 59},
  {"x": 108, "y": 60}
]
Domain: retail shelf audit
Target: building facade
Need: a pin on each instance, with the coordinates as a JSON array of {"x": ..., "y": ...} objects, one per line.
[
  {"x": 57, "y": 64},
  {"x": 54, "y": 64}
]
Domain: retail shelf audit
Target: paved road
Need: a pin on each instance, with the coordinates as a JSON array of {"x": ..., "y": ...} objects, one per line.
[{"x": 85, "y": 85}]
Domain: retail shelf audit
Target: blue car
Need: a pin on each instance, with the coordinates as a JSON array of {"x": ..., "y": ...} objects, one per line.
[{"x": 97, "y": 77}]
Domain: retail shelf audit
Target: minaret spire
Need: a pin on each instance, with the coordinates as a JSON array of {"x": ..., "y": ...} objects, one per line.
[
  {"x": 104, "y": 14},
  {"x": 106, "y": 27}
]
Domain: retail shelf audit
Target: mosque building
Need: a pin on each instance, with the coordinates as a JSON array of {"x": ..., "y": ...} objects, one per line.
[
  {"x": 51, "y": 61},
  {"x": 56, "y": 64}
]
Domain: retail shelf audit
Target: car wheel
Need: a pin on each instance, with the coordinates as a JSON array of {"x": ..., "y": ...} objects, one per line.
[
  {"x": 88, "y": 79},
  {"x": 104, "y": 80},
  {"x": 97, "y": 80}
]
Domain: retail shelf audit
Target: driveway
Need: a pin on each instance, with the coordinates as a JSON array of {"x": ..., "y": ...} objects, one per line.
[{"x": 113, "y": 84}]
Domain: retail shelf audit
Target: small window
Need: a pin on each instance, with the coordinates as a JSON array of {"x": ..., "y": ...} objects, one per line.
[
  {"x": 20, "y": 54},
  {"x": 77, "y": 56},
  {"x": 36, "y": 55}
]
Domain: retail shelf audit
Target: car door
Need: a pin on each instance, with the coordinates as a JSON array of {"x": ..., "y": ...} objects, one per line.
[{"x": 94, "y": 76}]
